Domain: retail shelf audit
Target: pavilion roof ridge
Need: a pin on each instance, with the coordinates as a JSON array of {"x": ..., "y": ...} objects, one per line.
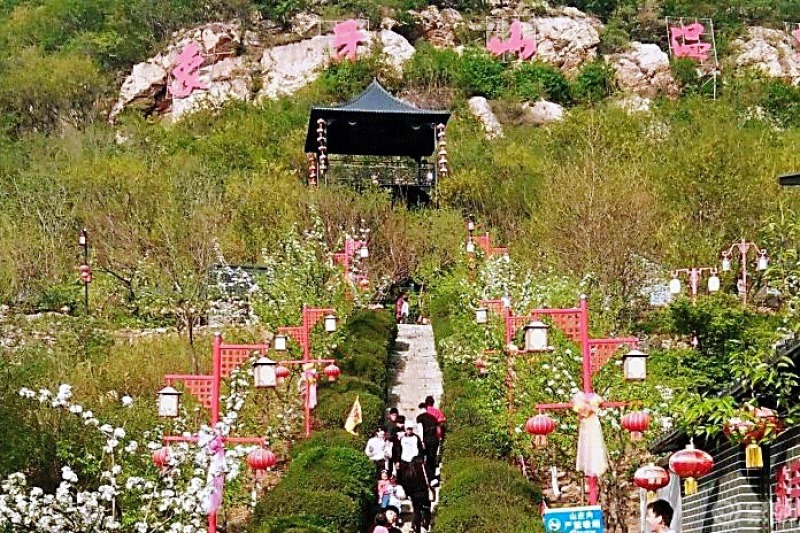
[{"x": 376, "y": 99}]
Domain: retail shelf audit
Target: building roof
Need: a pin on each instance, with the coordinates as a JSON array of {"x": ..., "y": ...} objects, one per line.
[{"x": 376, "y": 123}]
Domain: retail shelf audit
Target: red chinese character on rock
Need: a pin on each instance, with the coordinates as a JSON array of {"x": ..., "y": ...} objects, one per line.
[
  {"x": 525, "y": 48},
  {"x": 186, "y": 73},
  {"x": 346, "y": 37},
  {"x": 686, "y": 41}
]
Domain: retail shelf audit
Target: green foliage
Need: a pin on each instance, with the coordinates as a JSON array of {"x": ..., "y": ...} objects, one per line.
[
  {"x": 38, "y": 90},
  {"x": 280, "y": 10},
  {"x": 782, "y": 102},
  {"x": 432, "y": 67},
  {"x": 594, "y": 82},
  {"x": 470, "y": 483},
  {"x": 480, "y": 74},
  {"x": 306, "y": 506},
  {"x": 535, "y": 80},
  {"x": 345, "y": 79},
  {"x": 333, "y": 409}
]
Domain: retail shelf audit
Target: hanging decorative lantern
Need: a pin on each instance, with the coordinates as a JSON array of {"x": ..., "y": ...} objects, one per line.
[
  {"x": 675, "y": 286},
  {"x": 168, "y": 402},
  {"x": 332, "y": 371},
  {"x": 536, "y": 337},
  {"x": 755, "y": 424},
  {"x": 260, "y": 459},
  {"x": 480, "y": 366},
  {"x": 363, "y": 251},
  {"x": 690, "y": 464},
  {"x": 481, "y": 315},
  {"x": 651, "y": 478},
  {"x": 279, "y": 342},
  {"x": 161, "y": 457},
  {"x": 713, "y": 281},
  {"x": 762, "y": 260},
  {"x": 281, "y": 373},
  {"x": 330, "y": 323},
  {"x": 637, "y": 423},
  {"x": 540, "y": 426}
]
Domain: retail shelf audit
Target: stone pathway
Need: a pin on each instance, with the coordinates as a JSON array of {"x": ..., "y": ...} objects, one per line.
[{"x": 416, "y": 375}]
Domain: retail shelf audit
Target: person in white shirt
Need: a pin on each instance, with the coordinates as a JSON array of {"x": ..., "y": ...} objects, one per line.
[
  {"x": 410, "y": 444},
  {"x": 375, "y": 450},
  {"x": 659, "y": 517}
]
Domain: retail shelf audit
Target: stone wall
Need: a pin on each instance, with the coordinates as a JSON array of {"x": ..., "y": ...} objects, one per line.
[{"x": 734, "y": 498}]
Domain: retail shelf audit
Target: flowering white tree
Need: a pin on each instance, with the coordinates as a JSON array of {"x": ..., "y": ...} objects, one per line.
[{"x": 128, "y": 497}]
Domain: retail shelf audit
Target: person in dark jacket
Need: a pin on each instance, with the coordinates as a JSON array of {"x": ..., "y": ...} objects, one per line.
[
  {"x": 430, "y": 438},
  {"x": 415, "y": 484}
]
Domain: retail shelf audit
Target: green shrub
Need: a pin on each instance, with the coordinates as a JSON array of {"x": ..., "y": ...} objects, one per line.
[
  {"x": 327, "y": 509},
  {"x": 594, "y": 82},
  {"x": 344, "y": 80},
  {"x": 684, "y": 70},
  {"x": 294, "y": 524},
  {"x": 335, "y": 468},
  {"x": 480, "y": 74},
  {"x": 469, "y": 483},
  {"x": 328, "y": 437},
  {"x": 782, "y": 102},
  {"x": 431, "y": 67},
  {"x": 532, "y": 81},
  {"x": 346, "y": 383},
  {"x": 334, "y": 407}
]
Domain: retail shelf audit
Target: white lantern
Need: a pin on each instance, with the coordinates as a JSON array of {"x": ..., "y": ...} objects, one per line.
[
  {"x": 82, "y": 237},
  {"x": 264, "y": 372},
  {"x": 470, "y": 247},
  {"x": 330, "y": 323},
  {"x": 536, "y": 336},
  {"x": 481, "y": 315},
  {"x": 762, "y": 261},
  {"x": 168, "y": 401},
  {"x": 726, "y": 264},
  {"x": 363, "y": 252},
  {"x": 470, "y": 226},
  {"x": 675, "y": 286},
  {"x": 713, "y": 283},
  {"x": 279, "y": 342},
  {"x": 634, "y": 364}
]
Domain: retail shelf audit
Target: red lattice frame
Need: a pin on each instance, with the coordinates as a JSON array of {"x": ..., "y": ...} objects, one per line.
[
  {"x": 339, "y": 258},
  {"x": 603, "y": 350},
  {"x": 233, "y": 355},
  {"x": 197, "y": 385},
  {"x": 495, "y": 306},
  {"x": 484, "y": 242}
]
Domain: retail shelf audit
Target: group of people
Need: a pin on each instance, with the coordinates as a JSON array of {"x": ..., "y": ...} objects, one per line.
[{"x": 406, "y": 456}]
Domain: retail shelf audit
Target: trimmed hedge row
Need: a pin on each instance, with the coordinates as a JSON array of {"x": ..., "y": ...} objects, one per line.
[
  {"x": 481, "y": 492},
  {"x": 328, "y": 486}
]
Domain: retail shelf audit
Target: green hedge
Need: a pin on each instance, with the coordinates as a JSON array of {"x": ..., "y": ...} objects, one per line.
[
  {"x": 328, "y": 486},
  {"x": 481, "y": 492}
]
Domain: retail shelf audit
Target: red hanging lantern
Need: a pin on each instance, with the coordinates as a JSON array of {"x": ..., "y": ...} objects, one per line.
[
  {"x": 86, "y": 273},
  {"x": 161, "y": 457},
  {"x": 637, "y": 423},
  {"x": 540, "y": 426},
  {"x": 332, "y": 371},
  {"x": 260, "y": 459},
  {"x": 651, "y": 478},
  {"x": 690, "y": 464},
  {"x": 281, "y": 373}
]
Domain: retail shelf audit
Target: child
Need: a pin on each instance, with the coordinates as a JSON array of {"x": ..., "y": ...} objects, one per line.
[
  {"x": 388, "y": 454},
  {"x": 385, "y": 489},
  {"x": 381, "y": 523}
]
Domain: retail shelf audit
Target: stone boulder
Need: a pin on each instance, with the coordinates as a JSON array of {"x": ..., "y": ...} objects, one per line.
[
  {"x": 438, "y": 27},
  {"x": 567, "y": 40},
  {"x": 644, "y": 70},
  {"x": 291, "y": 67},
  {"x": 224, "y": 74},
  {"x": 543, "y": 112},
  {"x": 768, "y": 51},
  {"x": 480, "y": 107}
]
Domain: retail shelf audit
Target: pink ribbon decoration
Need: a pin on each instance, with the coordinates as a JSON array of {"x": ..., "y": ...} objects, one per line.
[
  {"x": 592, "y": 458},
  {"x": 216, "y": 473},
  {"x": 308, "y": 385},
  {"x": 686, "y": 41},
  {"x": 525, "y": 48}
]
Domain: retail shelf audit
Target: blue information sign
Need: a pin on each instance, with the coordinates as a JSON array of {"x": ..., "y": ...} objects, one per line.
[{"x": 588, "y": 519}]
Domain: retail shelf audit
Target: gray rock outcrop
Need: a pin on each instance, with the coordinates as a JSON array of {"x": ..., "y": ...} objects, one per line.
[
  {"x": 481, "y": 109},
  {"x": 768, "y": 51}
]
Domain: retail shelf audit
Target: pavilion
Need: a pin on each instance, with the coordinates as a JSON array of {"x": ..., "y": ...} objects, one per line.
[{"x": 378, "y": 140}]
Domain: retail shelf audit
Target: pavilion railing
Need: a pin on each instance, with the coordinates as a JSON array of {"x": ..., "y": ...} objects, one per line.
[{"x": 363, "y": 172}]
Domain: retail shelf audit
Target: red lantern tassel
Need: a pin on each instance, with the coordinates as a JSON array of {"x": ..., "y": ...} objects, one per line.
[
  {"x": 540, "y": 441},
  {"x": 651, "y": 496},
  {"x": 690, "y": 486},
  {"x": 636, "y": 436},
  {"x": 753, "y": 458}
]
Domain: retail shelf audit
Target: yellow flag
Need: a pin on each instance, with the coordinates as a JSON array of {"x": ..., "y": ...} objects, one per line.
[{"x": 354, "y": 418}]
